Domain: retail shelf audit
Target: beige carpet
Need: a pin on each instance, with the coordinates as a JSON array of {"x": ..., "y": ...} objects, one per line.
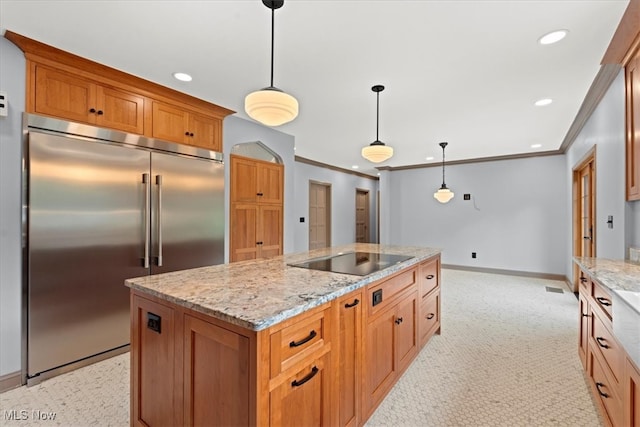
[{"x": 507, "y": 356}]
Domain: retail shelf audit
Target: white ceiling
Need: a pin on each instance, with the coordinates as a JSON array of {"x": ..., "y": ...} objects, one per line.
[{"x": 466, "y": 72}]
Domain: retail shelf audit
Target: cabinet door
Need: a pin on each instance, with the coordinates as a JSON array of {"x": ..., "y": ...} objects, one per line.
[
  {"x": 169, "y": 123},
  {"x": 428, "y": 317},
  {"x": 304, "y": 399},
  {"x": 407, "y": 332},
  {"x": 583, "y": 336},
  {"x": 270, "y": 183},
  {"x": 379, "y": 366},
  {"x": 118, "y": 109},
  {"x": 244, "y": 233},
  {"x": 153, "y": 352},
  {"x": 64, "y": 95},
  {"x": 269, "y": 231},
  {"x": 633, "y": 126},
  {"x": 350, "y": 309},
  {"x": 215, "y": 371},
  {"x": 205, "y": 132},
  {"x": 244, "y": 180},
  {"x": 632, "y": 396}
]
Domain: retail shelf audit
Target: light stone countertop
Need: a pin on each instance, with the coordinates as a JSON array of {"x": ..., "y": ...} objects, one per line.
[{"x": 260, "y": 293}]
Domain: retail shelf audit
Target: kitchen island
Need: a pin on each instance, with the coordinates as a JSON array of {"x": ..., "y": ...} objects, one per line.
[{"x": 266, "y": 343}]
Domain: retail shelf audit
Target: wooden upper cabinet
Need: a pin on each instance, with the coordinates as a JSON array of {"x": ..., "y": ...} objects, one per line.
[
  {"x": 256, "y": 181},
  {"x": 632, "y": 77},
  {"x": 64, "y": 95},
  {"x": 173, "y": 123}
]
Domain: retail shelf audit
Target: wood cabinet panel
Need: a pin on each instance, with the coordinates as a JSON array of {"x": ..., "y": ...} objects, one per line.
[
  {"x": 390, "y": 289},
  {"x": 270, "y": 183},
  {"x": 61, "y": 94},
  {"x": 350, "y": 373},
  {"x": 632, "y": 81},
  {"x": 631, "y": 395},
  {"x": 169, "y": 123},
  {"x": 604, "y": 389},
  {"x": 429, "y": 276},
  {"x": 602, "y": 299},
  {"x": 407, "y": 331},
  {"x": 429, "y": 320},
  {"x": 120, "y": 110},
  {"x": 244, "y": 232},
  {"x": 216, "y": 368},
  {"x": 244, "y": 180},
  {"x": 379, "y": 356},
  {"x": 270, "y": 231},
  {"x": 583, "y": 332},
  {"x": 205, "y": 132},
  {"x": 605, "y": 343}
]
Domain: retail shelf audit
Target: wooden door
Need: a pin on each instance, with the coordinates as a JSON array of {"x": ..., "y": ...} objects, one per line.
[
  {"x": 270, "y": 183},
  {"x": 215, "y": 370},
  {"x": 407, "y": 332},
  {"x": 304, "y": 399},
  {"x": 319, "y": 215},
  {"x": 205, "y": 132},
  {"x": 169, "y": 122},
  {"x": 244, "y": 180},
  {"x": 269, "y": 231},
  {"x": 362, "y": 216},
  {"x": 350, "y": 358},
  {"x": 64, "y": 95},
  {"x": 120, "y": 110},
  {"x": 632, "y": 74},
  {"x": 244, "y": 232},
  {"x": 584, "y": 202}
]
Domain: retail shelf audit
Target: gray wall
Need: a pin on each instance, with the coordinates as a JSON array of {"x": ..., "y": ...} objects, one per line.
[
  {"x": 12, "y": 81},
  {"x": 605, "y": 130},
  {"x": 514, "y": 220},
  {"x": 238, "y": 130},
  {"x": 343, "y": 202}
]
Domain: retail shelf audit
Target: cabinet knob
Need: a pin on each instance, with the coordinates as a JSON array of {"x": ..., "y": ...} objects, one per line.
[
  {"x": 259, "y": 194},
  {"x": 92, "y": 110},
  {"x": 186, "y": 133},
  {"x": 190, "y": 133},
  {"x": 100, "y": 112},
  {"x": 398, "y": 320},
  {"x": 430, "y": 276}
]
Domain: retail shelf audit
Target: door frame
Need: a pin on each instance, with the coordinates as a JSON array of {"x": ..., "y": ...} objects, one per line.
[
  {"x": 328, "y": 210},
  {"x": 588, "y": 160},
  {"x": 367, "y": 213}
]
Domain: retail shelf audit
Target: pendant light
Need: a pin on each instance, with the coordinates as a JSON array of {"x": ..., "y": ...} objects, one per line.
[
  {"x": 443, "y": 195},
  {"x": 271, "y": 106},
  {"x": 377, "y": 152}
]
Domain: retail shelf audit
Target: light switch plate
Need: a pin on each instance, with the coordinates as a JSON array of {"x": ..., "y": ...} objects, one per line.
[{"x": 4, "y": 104}]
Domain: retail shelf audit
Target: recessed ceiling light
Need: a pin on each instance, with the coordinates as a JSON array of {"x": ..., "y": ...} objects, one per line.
[
  {"x": 183, "y": 77},
  {"x": 543, "y": 102},
  {"x": 553, "y": 37},
  {"x": 378, "y": 173},
  {"x": 429, "y": 158},
  {"x": 354, "y": 167},
  {"x": 536, "y": 145}
]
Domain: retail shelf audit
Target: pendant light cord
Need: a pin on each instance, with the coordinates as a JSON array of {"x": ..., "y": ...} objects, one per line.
[
  {"x": 273, "y": 14},
  {"x": 377, "y": 114}
]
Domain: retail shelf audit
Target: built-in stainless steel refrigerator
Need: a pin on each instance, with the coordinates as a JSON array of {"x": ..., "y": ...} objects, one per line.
[{"x": 101, "y": 207}]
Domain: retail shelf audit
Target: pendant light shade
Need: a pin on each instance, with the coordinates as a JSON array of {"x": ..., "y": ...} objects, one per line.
[
  {"x": 443, "y": 195},
  {"x": 271, "y": 106},
  {"x": 377, "y": 151}
]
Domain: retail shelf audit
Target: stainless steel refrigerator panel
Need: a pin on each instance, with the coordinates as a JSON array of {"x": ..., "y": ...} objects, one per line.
[
  {"x": 187, "y": 222},
  {"x": 86, "y": 236}
]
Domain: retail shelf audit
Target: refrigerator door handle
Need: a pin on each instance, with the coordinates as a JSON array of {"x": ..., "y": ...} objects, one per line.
[
  {"x": 145, "y": 223},
  {"x": 159, "y": 184}
]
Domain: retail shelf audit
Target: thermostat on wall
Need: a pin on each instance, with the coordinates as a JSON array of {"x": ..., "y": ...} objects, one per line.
[{"x": 4, "y": 104}]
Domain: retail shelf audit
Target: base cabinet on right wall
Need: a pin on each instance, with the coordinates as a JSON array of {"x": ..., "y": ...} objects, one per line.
[{"x": 613, "y": 377}]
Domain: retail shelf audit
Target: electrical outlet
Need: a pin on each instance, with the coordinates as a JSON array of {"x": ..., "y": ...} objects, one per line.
[
  {"x": 473, "y": 255},
  {"x": 467, "y": 196}
]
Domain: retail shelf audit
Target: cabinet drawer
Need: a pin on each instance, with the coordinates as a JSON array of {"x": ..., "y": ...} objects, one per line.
[
  {"x": 429, "y": 319},
  {"x": 299, "y": 340},
  {"x": 429, "y": 278},
  {"x": 584, "y": 283},
  {"x": 382, "y": 294},
  {"x": 602, "y": 299},
  {"x": 608, "y": 346},
  {"x": 604, "y": 391}
]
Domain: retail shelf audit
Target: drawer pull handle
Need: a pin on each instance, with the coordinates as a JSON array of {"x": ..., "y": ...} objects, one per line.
[
  {"x": 430, "y": 316},
  {"x": 603, "y": 301},
  {"x": 598, "y": 385},
  {"x": 353, "y": 304},
  {"x": 583, "y": 280},
  {"x": 430, "y": 276},
  {"x": 585, "y": 315},
  {"x": 600, "y": 339},
  {"x": 296, "y": 383},
  {"x": 259, "y": 194},
  {"x": 304, "y": 340}
]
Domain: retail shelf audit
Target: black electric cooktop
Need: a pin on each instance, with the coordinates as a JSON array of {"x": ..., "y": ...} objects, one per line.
[{"x": 356, "y": 263}]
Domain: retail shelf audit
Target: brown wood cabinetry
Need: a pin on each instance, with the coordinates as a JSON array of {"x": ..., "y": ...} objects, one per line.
[
  {"x": 631, "y": 395},
  {"x": 69, "y": 87},
  {"x": 429, "y": 299},
  {"x": 177, "y": 124},
  {"x": 632, "y": 80},
  {"x": 61, "y": 94},
  {"x": 256, "y": 209},
  {"x": 350, "y": 350}
]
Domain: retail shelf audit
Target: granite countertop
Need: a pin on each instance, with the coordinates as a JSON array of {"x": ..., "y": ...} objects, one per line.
[{"x": 260, "y": 293}]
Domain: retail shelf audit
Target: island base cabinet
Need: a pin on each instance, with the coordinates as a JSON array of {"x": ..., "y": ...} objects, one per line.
[
  {"x": 216, "y": 367},
  {"x": 604, "y": 389},
  {"x": 350, "y": 309},
  {"x": 631, "y": 395},
  {"x": 304, "y": 398}
]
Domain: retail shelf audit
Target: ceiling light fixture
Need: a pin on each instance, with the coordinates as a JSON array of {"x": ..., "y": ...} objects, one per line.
[
  {"x": 377, "y": 152},
  {"x": 443, "y": 195},
  {"x": 271, "y": 106},
  {"x": 183, "y": 77},
  {"x": 543, "y": 102},
  {"x": 553, "y": 37}
]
